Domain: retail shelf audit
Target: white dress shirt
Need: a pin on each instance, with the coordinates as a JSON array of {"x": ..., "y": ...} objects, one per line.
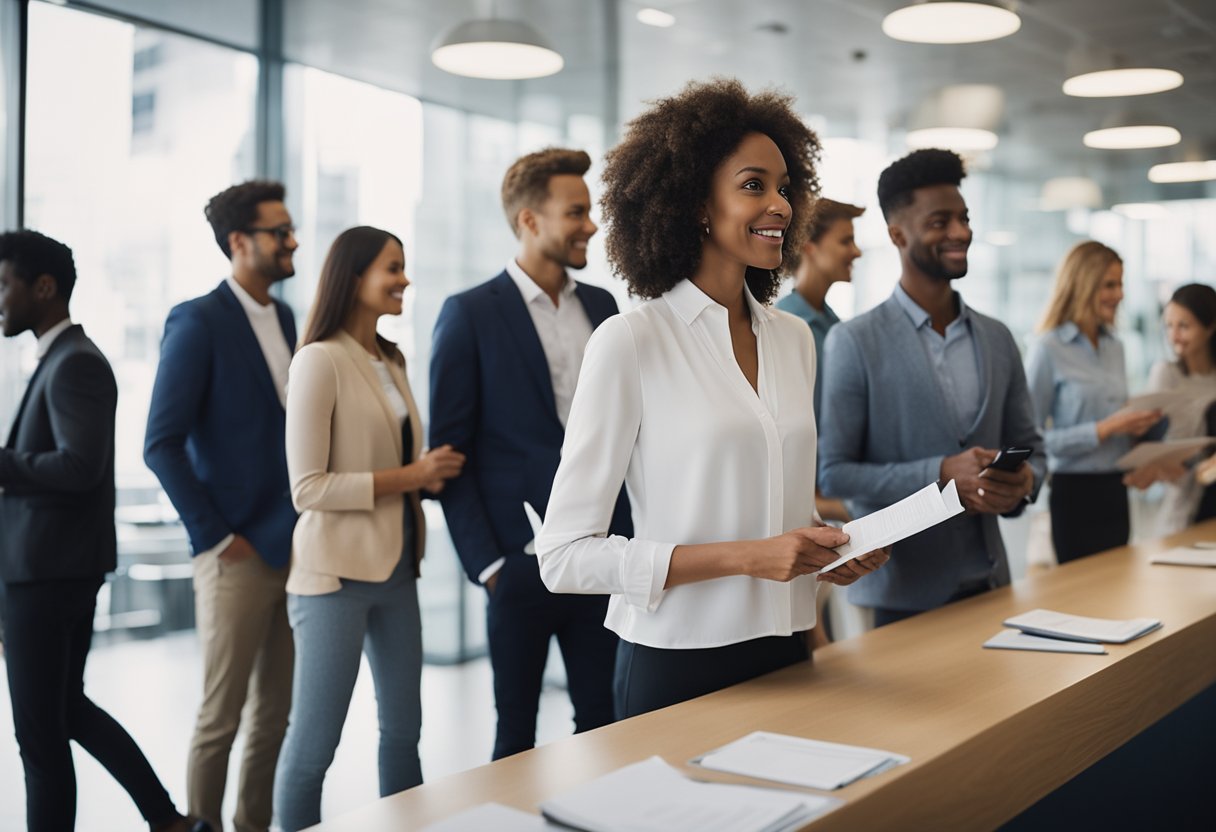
[
  {"x": 47, "y": 338},
  {"x": 563, "y": 331},
  {"x": 663, "y": 405},
  {"x": 276, "y": 351}
]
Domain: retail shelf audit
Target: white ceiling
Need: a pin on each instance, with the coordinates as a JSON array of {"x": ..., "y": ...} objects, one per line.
[{"x": 830, "y": 53}]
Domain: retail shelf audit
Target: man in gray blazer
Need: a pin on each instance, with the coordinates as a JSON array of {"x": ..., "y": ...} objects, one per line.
[{"x": 921, "y": 389}]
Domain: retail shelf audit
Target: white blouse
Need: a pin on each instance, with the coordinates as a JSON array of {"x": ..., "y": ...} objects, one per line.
[
  {"x": 662, "y": 404},
  {"x": 1187, "y": 421}
]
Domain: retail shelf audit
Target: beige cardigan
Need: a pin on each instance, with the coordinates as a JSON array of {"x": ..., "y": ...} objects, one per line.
[{"x": 341, "y": 428}]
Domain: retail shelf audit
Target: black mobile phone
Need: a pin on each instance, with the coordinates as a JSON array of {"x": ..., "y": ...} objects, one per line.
[{"x": 1008, "y": 459}]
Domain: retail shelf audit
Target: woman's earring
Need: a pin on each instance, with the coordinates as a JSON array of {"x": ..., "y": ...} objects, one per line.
[{"x": 705, "y": 225}]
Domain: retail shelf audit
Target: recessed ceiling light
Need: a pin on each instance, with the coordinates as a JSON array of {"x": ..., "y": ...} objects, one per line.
[
  {"x": 656, "y": 17},
  {"x": 1118, "y": 82},
  {"x": 1063, "y": 193},
  {"x": 495, "y": 49},
  {"x": 935, "y": 21},
  {"x": 1132, "y": 136},
  {"x": 1140, "y": 210},
  {"x": 962, "y": 139},
  {"x": 1183, "y": 171}
]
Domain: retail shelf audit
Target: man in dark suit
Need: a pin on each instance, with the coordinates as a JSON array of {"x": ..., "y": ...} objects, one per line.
[
  {"x": 215, "y": 439},
  {"x": 57, "y": 542},
  {"x": 504, "y": 363}
]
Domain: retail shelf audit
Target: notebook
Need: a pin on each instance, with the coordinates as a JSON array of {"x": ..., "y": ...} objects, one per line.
[
  {"x": 1078, "y": 628},
  {"x": 1187, "y": 556},
  {"x": 798, "y": 761},
  {"x": 1017, "y": 640}
]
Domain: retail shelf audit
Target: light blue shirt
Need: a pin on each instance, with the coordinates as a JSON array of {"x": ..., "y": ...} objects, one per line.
[
  {"x": 820, "y": 323},
  {"x": 1074, "y": 386},
  {"x": 953, "y": 358},
  {"x": 957, "y": 367}
]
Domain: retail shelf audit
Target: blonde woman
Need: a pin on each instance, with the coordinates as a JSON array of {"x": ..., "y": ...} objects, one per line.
[
  {"x": 354, "y": 457},
  {"x": 1078, "y": 381}
]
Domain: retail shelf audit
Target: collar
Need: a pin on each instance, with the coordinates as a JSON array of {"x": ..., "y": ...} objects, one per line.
[
  {"x": 1069, "y": 331},
  {"x": 919, "y": 316},
  {"x": 251, "y": 306},
  {"x": 796, "y": 304},
  {"x": 689, "y": 302},
  {"x": 529, "y": 288},
  {"x": 47, "y": 338}
]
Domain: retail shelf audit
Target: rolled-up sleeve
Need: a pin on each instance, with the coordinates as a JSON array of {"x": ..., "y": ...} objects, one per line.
[
  {"x": 575, "y": 553},
  {"x": 312, "y": 391}
]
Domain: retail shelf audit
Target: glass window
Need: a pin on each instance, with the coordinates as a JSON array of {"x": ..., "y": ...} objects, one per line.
[
  {"x": 122, "y": 152},
  {"x": 231, "y": 21}
]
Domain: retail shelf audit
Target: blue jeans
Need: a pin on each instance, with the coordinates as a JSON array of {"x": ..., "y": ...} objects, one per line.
[{"x": 331, "y": 631}]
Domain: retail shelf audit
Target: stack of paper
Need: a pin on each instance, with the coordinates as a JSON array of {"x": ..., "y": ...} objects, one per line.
[
  {"x": 651, "y": 796},
  {"x": 1017, "y": 640},
  {"x": 798, "y": 761},
  {"x": 1169, "y": 401},
  {"x": 909, "y": 516},
  {"x": 1187, "y": 556},
  {"x": 1078, "y": 628}
]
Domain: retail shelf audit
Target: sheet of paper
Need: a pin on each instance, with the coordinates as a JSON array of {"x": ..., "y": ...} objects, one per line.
[
  {"x": 651, "y": 796},
  {"x": 492, "y": 816},
  {"x": 1169, "y": 401},
  {"x": 911, "y": 515},
  {"x": 1171, "y": 450},
  {"x": 1187, "y": 556},
  {"x": 798, "y": 761},
  {"x": 1079, "y": 628},
  {"x": 1017, "y": 640}
]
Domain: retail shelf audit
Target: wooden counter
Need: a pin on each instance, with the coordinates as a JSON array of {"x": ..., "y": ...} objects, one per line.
[{"x": 990, "y": 732}]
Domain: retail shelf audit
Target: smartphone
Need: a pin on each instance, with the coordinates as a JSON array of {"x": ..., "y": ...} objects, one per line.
[{"x": 1008, "y": 459}]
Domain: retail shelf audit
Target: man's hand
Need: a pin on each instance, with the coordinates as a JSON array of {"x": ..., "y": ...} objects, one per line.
[
  {"x": 965, "y": 470},
  {"x": 238, "y": 550},
  {"x": 1003, "y": 491}
]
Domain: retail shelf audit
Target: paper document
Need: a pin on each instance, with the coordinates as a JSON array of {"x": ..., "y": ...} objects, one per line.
[
  {"x": 1017, "y": 640},
  {"x": 1078, "y": 628},
  {"x": 1187, "y": 556},
  {"x": 535, "y": 522},
  {"x": 651, "y": 796},
  {"x": 1169, "y": 401},
  {"x": 1170, "y": 450},
  {"x": 798, "y": 761},
  {"x": 911, "y": 515},
  {"x": 492, "y": 816}
]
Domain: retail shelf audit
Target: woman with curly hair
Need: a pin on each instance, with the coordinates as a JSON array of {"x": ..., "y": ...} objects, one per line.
[{"x": 700, "y": 400}]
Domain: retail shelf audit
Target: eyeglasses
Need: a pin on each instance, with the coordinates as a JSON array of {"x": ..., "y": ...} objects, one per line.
[{"x": 280, "y": 232}]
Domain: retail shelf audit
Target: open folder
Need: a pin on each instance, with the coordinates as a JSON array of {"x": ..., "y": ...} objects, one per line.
[
  {"x": 911, "y": 515},
  {"x": 799, "y": 761}
]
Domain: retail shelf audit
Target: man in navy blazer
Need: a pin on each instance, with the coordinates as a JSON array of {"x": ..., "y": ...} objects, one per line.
[
  {"x": 215, "y": 439},
  {"x": 504, "y": 363},
  {"x": 57, "y": 543},
  {"x": 923, "y": 388}
]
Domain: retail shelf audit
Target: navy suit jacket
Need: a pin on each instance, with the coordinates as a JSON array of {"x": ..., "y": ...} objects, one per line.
[
  {"x": 216, "y": 427},
  {"x": 57, "y": 469},
  {"x": 492, "y": 399}
]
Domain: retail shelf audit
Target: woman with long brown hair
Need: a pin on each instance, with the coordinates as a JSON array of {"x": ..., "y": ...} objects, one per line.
[
  {"x": 1078, "y": 380},
  {"x": 355, "y": 460}
]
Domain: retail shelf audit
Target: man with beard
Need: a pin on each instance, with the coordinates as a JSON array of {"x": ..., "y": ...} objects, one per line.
[
  {"x": 215, "y": 439},
  {"x": 504, "y": 363},
  {"x": 923, "y": 388}
]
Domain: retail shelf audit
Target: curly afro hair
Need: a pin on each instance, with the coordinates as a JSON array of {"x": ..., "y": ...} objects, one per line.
[
  {"x": 658, "y": 179},
  {"x": 919, "y": 169}
]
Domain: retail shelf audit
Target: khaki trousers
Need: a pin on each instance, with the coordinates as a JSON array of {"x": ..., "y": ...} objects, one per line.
[{"x": 241, "y": 612}]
